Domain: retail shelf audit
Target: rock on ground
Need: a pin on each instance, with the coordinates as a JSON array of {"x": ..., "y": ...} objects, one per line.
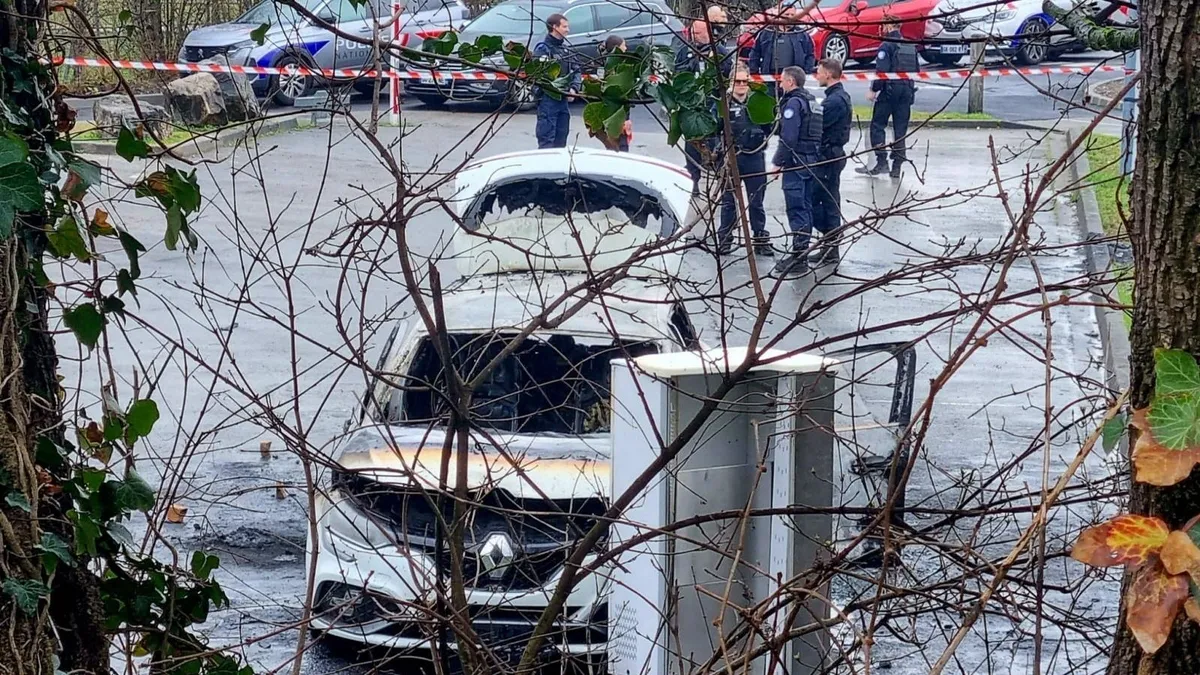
[
  {"x": 240, "y": 102},
  {"x": 113, "y": 112},
  {"x": 196, "y": 101}
]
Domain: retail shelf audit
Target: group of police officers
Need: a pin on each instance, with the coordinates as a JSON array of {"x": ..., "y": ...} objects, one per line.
[{"x": 810, "y": 154}]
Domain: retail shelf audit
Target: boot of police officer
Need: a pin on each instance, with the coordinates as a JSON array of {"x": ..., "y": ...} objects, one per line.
[
  {"x": 749, "y": 145},
  {"x": 554, "y": 114},
  {"x": 893, "y": 100},
  {"x": 836, "y": 114},
  {"x": 800, "y": 129}
]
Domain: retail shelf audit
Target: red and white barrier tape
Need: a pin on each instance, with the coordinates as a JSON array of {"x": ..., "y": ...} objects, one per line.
[{"x": 446, "y": 75}]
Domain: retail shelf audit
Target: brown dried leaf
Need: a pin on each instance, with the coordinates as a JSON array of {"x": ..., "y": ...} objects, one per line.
[
  {"x": 1125, "y": 540},
  {"x": 1155, "y": 463},
  {"x": 1152, "y": 602},
  {"x": 1180, "y": 555},
  {"x": 100, "y": 225},
  {"x": 176, "y": 513}
]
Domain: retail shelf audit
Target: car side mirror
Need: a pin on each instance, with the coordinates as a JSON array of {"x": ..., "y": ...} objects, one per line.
[
  {"x": 328, "y": 17},
  {"x": 858, "y": 6}
]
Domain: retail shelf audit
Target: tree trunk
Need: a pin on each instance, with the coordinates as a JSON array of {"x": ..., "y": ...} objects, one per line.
[
  {"x": 1165, "y": 233},
  {"x": 71, "y": 624}
]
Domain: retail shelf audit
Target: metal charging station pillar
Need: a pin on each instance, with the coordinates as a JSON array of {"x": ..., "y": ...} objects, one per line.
[{"x": 769, "y": 443}]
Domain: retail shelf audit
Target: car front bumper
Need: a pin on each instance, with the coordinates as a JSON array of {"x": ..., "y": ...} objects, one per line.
[
  {"x": 380, "y": 597},
  {"x": 456, "y": 88}
]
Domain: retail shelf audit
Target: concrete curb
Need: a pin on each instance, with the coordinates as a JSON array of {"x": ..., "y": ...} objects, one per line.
[
  {"x": 207, "y": 144},
  {"x": 1114, "y": 336},
  {"x": 1094, "y": 95},
  {"x": 972, "y": 124}
]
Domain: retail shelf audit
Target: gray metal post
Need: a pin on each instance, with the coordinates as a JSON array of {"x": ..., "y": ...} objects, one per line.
[
  {"x": 1129, "y": 116},
  {"x": 975, "y": 86}
]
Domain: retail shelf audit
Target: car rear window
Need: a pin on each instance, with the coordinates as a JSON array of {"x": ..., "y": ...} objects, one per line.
[{"x": 513, "y": 19}]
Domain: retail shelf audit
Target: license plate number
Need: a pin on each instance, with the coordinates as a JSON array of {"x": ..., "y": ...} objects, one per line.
[
  {"x": 956, "y": 49},
  {"x": 426, "y": 79}
]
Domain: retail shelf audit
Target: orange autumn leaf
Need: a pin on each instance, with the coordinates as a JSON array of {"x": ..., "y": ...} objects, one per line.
[
  {"x": 1124, "y": 540},
  {"x": 1152, "y": 602},
  {"x": 1155, "y": 463},
  {"x": 1180, "y": 555}
]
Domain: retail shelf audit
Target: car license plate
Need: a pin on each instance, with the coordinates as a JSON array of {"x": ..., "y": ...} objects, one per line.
[
  {"x": 956, "y": 49},
  {"x": 426, "y": 79}
]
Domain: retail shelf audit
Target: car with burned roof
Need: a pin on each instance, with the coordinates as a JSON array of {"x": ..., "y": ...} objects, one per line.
[{"x": 567, "y": 241}]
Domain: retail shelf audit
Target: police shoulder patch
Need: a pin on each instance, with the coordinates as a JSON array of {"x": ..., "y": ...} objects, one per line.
[
  {"x": 882, "y": 54},
  {"x": 789, "y": 113}
]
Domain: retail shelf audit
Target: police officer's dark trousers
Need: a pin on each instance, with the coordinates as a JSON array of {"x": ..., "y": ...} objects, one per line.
[
  {"x": 827, "y": 194},
  {"x": 750, "y": 169},
  {"x": 695, "y": 162},
  {"x": 896, "y": 106},
  {"x": 798, "y": 202},
  {"x": 553, "y": 122}
]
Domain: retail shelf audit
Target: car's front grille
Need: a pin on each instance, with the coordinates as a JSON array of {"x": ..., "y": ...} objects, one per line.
[
  {"x": 954, "y": 23},
  {"x": 532, "y": 538},
  {"x": 193, "y": 54}
]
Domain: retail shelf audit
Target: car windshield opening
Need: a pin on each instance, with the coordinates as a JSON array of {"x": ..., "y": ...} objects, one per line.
[
  {"x": 576, "y": 195},
  {"x": 555, "y": 384}
]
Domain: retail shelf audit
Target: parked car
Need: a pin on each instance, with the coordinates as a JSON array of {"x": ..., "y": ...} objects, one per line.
[
  {"x": 293, "y": 40},
  {"x": 524, "y": 21},
  {"x": 848, "y": 29},
  {"x": 545, "y": 403},
  {"x": 1019, "y": 30}
]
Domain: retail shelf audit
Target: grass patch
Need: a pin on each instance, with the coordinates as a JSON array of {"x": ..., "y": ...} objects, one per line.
[
  {"x": 1111, "y": 188},
  {"x": 863, "y": 112},
  {"x": 86, "y": 131},
  {"x": 1125, "y": 293}
]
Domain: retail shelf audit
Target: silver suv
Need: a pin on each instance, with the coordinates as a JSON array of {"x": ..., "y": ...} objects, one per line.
[{"x": 293, "y": 40}]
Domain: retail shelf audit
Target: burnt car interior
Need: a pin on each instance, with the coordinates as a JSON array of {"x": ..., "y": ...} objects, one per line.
[
  {"x": 575, "y": 195},
  {"x": 554, "y": 384}
]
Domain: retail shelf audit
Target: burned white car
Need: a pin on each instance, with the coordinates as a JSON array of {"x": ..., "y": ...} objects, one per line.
[{"x": 538, "y": 227}]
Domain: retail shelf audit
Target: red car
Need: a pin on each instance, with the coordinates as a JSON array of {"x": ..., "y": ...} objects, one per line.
[{"x": 849, "y": 29}]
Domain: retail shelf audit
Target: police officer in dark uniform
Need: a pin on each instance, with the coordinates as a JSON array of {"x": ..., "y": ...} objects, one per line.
[
  {"x": 554, "y": 115},
  {"x": 836, "y": 113},
  {"x": 800, "y": 129},
  {"x": 893, "y": 99},
  {"x": 750, "y": 148},
  {"x": 781, "y": 44},
  {"x": 694, "y": 54}
]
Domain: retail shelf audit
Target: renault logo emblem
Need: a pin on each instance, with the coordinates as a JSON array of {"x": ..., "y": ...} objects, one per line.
[{"x": 495, "y": 555}]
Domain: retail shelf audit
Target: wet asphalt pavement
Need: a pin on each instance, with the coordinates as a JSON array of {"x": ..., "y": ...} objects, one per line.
[{"x": 292, "y": 204}]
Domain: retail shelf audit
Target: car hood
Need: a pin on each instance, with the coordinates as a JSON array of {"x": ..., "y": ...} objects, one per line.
[
  {"x": 225, "y": 34},
  {"x": 530, "y": 467}
]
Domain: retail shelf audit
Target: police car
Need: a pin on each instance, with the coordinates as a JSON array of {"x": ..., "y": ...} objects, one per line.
[
  {"x": 293, "y": 40},
  {"x": 1019, "y": 30}
]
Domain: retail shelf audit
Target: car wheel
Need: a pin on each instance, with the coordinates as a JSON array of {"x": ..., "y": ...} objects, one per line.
[
  {"x": 431, "y": 100},
  {"x": 1035, "y": 43},
  {"x": 520, "y": 95},
  {"x": 287, "y": 87},
  {"x": 836, "y": 47}
]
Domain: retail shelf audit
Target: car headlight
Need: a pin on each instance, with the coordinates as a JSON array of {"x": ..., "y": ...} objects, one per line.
[
  {"x": 344, "y": 521},
  {"x": 933, "y": 28},
  {"x": 1004, "y": 14}
]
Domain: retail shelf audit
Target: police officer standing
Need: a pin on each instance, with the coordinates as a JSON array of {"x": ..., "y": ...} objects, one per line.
[
  {"x": 694, "y": 54},
  {"x": 780, "y": 44},
  {"x": 800, "y": 129},
  {"x": 893, "y": 99},
  {"x": 749, "y": 148},
  {"x": 836, "y": 112},
  {"x": 554, "y": 115}
]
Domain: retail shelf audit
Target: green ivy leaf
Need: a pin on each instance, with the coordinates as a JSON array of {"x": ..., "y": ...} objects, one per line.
[
  {"x": 1113, "y": 430},
  {"x": 760, "y": 107},
  {"x": 49, "y": 454},
  {"x": 55, "y": 550},
  {"x": 125, "y": 283},
  {"x": 13, "y": 149},
  {"x": 134, "y": 493},
  {"x": 140, "y": 419},
  {"x": 1175, "y": 372},
  {"x": 594, "y": 114},
  {"x": 17, "y": 500},
  {"x": 130, "y": 146},
  {"x": 615, "y": 123},
  {"x": 203, "y": 564},
  {"x": 1175, "y": 421},
  {"x": 20, "y": 190},
  {"x": 26, "y": 593},
  {"x": 132, "y": 248},
  {"x": 184, "y": 188},
  {"x": 67, "y": 241},
  {"x": 175, "y": 222},
  {"x": 490, "y": 44},
  {"x": 624, "y": 80},
  {"x": 471, "y": 53},
  {"x": 86, "y": 323},
  {"x": 87, "y": 533},
  {"x": 259, "y": 35},
  {"x": 86, "y": 176}
]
